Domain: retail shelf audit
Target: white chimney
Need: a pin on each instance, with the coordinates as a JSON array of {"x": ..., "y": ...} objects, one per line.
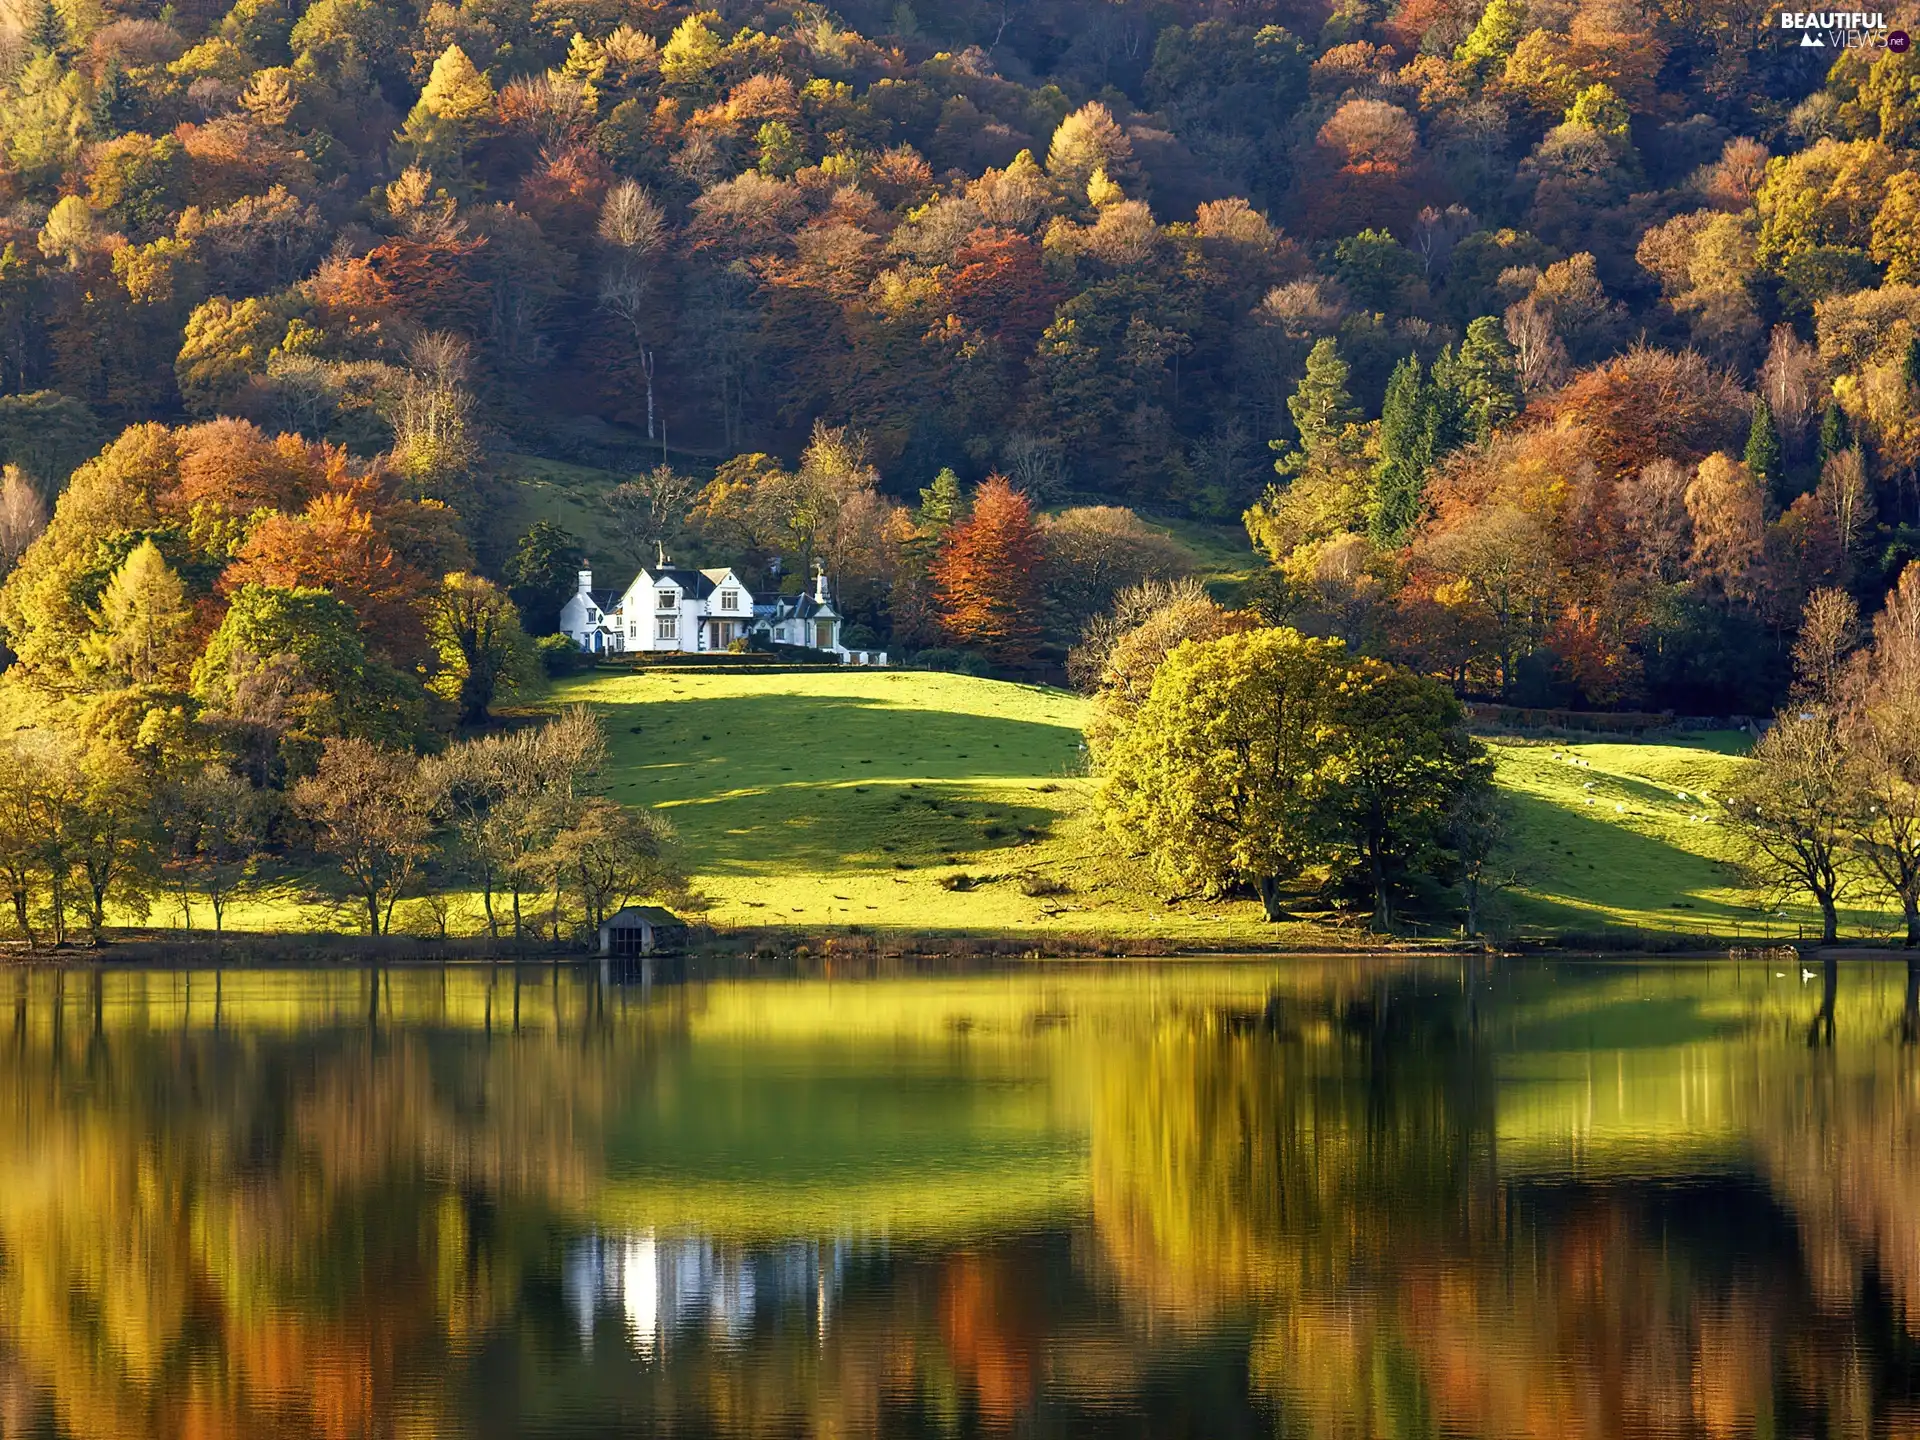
[
  {"x": 819, "y": 582},
  {"x": 586, "y": 582}
]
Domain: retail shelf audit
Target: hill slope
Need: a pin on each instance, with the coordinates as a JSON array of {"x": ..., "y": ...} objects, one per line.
[{"x": 866, "y": 797}]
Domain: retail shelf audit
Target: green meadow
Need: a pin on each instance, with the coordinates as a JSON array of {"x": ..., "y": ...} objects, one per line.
[
  {"x": 943, "y": 805},
  {"x": 936, "y": 804}
]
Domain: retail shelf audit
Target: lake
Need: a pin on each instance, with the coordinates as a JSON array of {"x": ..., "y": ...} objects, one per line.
[{"x": 1307, "y": 1197}]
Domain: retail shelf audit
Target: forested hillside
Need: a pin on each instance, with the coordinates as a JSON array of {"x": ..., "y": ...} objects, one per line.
[{"x": 1581, "y": 336}]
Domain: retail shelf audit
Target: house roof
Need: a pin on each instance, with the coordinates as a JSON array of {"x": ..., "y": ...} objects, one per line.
[
  {"x": 604, "y": 599},
  {"x": 652, "y": 914},
  {"x": 697, "y": 583}
]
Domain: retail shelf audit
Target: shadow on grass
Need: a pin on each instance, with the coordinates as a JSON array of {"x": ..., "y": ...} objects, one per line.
[
  {"x": 1578, "y": 870},
  {"x": 763, "y": 784}
]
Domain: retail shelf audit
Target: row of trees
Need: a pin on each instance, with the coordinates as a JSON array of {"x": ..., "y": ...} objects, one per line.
[
  {"x": 1830, "y": 806},
  {"x": 88, "y": 833},
  {"x": 1242, "y": 755}
]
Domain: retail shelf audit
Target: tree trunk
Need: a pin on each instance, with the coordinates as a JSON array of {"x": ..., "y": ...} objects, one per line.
[
  {"x": 1829, "y": 918},
  {"x": 1911, "y": 903},
  {"x": 1270, "y": 899},
  {"x": 20, "y": 914},
  {"x": 373, "y": 910}
]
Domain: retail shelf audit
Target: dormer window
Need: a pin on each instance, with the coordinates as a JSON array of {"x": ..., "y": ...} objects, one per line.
[
  {"x": 729, "y": 599},
  {"x": 669, "y": 600}
]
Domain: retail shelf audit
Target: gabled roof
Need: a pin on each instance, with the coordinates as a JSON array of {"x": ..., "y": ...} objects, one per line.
[
  {"x": 697, "y": 583},
  {"x": 652, "y": 914}
]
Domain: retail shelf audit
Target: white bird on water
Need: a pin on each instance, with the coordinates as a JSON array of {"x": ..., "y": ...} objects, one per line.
[{"x": 1806, "y": 974}]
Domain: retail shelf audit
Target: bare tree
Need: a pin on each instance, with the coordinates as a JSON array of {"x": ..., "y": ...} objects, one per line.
[
  {"x": 1797, "y": 806},
  {"x": 432, "y": 417},
  {"x": 23, "y": 515},
  {"x": 633, "y": 231},
  {"x": 1829, "y": 630},
  {"x": 1886, "y": 746},
  {"x": 372, "y": 813},
  {"x": 650, "y": 509}
]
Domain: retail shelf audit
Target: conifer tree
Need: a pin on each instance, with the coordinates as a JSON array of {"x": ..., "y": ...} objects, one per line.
[
  {"x": 1833, "y": 432},
  {"x": 1322, "y": 407},
  {"x": 1406, "y": 452},
  {"x": 1763, "y": 454},
  {"x": 140, "y": 631},
  {"x": 1488, "y": 388},
  {"x": 940, "y": 503}
]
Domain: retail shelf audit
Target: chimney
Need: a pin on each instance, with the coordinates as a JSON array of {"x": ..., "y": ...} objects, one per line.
[
  {"x": 819, "y": 582},
  {"x": 586, "y": 582}
]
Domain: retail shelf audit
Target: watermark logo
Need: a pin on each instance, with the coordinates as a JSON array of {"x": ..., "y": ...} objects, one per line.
[{"x": 1843, "y": 30}]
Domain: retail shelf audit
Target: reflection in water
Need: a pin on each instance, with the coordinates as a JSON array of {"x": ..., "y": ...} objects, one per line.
[
  {"x": 1340, "y": 1199},
  {"x": 659, "y": 1288}
]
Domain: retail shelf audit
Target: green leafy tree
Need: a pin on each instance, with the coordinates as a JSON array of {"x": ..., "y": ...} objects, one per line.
[
  {"x": 1218, "y": 776},
  {"x": 483, "y": 652},
  {"x": 1399, "y": 758}
]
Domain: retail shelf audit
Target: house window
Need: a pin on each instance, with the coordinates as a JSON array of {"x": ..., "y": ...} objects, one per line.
[
  {"x": 823, "y": 634},
  {"x": 729, "y": 599},
  {"x": 668, "y": 628},
  {"x": 669, "y": 600},
  {"x": 633, "y": 629}
]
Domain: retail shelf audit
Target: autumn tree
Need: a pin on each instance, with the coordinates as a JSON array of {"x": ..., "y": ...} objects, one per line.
[
  {"x": 372, "y": 814},
  {"x": 142, "y": 632},
  {"x": 987, "y": 575}
]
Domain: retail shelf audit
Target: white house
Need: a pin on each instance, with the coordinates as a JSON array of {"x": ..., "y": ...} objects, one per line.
[
  {"x": 673, "y": 608},
  {"x": 587, "y": 618}
]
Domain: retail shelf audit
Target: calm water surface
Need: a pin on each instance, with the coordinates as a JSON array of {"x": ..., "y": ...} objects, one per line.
[{"x": 1315, "y": 1198}]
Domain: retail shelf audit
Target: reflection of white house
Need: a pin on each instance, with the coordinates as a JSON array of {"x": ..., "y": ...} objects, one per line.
[
  {"x": 658, "y": 1286},
  {"x": 669, "y": 608}
]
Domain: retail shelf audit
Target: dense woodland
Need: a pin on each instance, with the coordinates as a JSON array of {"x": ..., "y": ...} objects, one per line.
[{"x": 1562, "y": 353}]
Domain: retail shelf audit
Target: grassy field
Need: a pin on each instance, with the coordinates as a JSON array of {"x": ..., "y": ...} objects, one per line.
[
  {"x": 892, "y": 799},
  {"x": 944, "y": 804}
]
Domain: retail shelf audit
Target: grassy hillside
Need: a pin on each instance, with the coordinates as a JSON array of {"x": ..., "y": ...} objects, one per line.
[{"x": 940, "y": 803}]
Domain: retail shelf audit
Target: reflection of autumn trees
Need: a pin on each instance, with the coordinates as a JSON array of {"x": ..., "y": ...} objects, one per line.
[
  {"x": 224, "y": 1233},
  {"x": 1330, "y": 1174}
]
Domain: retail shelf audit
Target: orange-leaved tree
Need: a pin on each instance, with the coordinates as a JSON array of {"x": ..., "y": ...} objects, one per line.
[{"x": 987, "y": 575}]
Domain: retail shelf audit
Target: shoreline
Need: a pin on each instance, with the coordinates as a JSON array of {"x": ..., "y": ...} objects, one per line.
[{"x": 244, "y": 950}]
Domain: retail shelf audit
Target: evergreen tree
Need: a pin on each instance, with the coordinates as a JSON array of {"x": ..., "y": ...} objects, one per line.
[
  {"x": 1486, "y": 385},
  {"x": 1765, "y": 461},
  {"x": 1911, "y": 368},
  {"x": 1407, "y": 424},
  {"x": 1322, "y": 407},
  {"x": 940, "y": 503},
  {"x": 1833, "y": 432}
]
